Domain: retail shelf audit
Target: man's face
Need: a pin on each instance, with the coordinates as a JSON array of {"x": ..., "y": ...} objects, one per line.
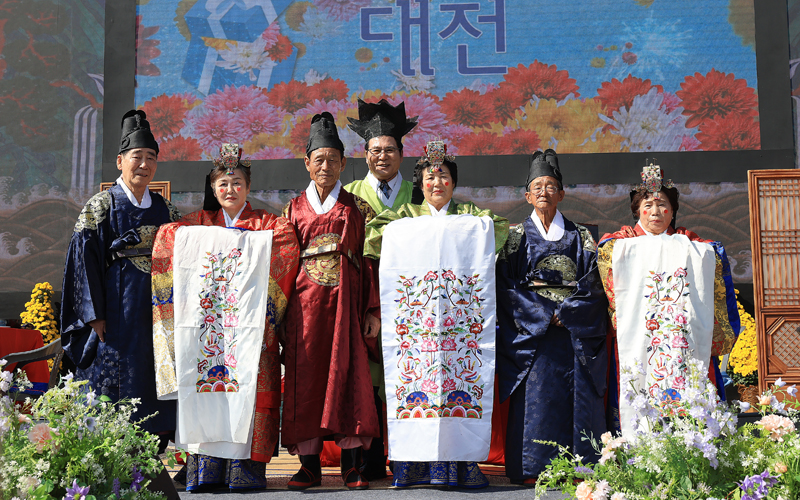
[
  {"x": 324, "y": 166},
  {"x": 544, "y": 193},
  {"x": 386, "y": 163},
  {"x": 138, "y": 167}
]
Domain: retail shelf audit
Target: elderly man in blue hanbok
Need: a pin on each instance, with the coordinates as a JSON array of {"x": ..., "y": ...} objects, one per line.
[
  {"x": 106, "y": 312},
  {"x": 551, "y": 337}
]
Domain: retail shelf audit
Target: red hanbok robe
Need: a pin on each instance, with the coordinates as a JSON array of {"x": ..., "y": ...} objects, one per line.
[
  {"x": 327, "y": 386},
  {"x": 282, "y": 273}
]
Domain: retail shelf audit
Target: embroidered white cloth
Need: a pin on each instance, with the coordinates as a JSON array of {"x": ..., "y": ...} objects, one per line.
[
  {"x": 664, "y": 291},
  {"x": 438, "y": 311},
  {"x": 221, "y": 278}
]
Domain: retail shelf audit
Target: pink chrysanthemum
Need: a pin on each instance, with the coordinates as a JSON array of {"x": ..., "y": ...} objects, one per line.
[
  {"x": 270, "y": 35},
  {"x": 212, "y": 128},
  {"x": 276, "y": 153},
  {"x": 261, "y": 118},
  {"x": 318, "y": 106},
  {"x": 235, "y": 99},
  {"x": 426, "y": 107}
]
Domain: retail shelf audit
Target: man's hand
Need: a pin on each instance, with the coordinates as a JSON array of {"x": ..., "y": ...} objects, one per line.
[
  {"x": 372, "y": 327},
  {"x": 555, "y": 321},
  {"x": 99, "y": 326}
]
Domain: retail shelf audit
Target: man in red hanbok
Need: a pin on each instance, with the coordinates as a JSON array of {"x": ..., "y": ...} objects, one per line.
[{"x": 332, "y": 317}]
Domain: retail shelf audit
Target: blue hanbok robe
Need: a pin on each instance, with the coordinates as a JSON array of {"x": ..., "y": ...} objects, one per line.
[
  {"x": 555, "y": 376},
  {"x": 98, "y": 285}
]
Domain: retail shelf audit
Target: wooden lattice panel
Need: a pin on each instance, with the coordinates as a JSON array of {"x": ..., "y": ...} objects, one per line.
[
  {"x": 785, "y": 343},
  {"x": 775, "y": 240},
  {"x": 779, "y": 218}
]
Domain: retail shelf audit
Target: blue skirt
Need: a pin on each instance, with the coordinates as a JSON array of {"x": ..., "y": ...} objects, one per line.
[
  {"x": 460, "y": 474},
  {"x": 202, "y": 470}
]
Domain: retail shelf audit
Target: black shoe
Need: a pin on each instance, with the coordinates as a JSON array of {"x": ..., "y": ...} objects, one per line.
[
  {"x": 310, "y": 473},
  {"x": 350, "y": 474}
]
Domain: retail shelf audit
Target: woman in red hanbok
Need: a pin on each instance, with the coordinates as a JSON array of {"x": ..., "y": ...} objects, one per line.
[{"x": 228, "y": 207}]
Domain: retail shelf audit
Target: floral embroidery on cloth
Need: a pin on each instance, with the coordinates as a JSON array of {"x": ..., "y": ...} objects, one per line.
[
  {"x": 323, "y": 268},
  {"x": 219, "y": 303},
  {"x": 666, "y": 323},
  {"x": 438, "y": 356}
]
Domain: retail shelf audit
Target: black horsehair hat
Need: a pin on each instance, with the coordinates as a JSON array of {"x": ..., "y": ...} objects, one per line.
[
  {"x": 323, "y": 134},
  {"x": 544, "y": 163},
  {"x": 376, "y": 120},
  {"x": 136, "y": 132}
]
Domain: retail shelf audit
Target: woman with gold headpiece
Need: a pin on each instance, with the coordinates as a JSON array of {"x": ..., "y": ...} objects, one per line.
[
  {"x": 435, "y": 371},
  {"x": 226, "y": 205},
  {"x": 670, "y": 297}
]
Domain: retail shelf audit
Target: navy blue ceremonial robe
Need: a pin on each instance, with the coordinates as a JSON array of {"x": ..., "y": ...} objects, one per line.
[
  {"x": 555, "y": 376},
  {"x": 97, "y": 285}
]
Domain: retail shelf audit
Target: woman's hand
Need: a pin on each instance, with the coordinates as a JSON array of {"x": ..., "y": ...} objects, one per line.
[{"x": 99, "y": 326}]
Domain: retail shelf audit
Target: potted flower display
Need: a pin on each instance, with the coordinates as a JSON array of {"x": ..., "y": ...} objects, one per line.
[
  {"x": 696, "y": 454},
  {"x": 743, "y": 360},
  {"x": 72, "y": 444}
]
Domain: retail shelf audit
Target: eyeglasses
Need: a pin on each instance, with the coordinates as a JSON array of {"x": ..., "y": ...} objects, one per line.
[
  {"x": 386, "y": 151},
  {"x": 550, "y": 189}
]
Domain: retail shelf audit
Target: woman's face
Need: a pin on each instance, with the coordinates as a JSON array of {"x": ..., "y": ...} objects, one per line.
[
  {"x": 231, "y": 191},
  {"x": 655, "y": 213},
  {"x": 437, "y": 186}
]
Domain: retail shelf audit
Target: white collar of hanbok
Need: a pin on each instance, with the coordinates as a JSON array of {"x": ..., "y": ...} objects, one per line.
[
  {"x": 648, "y": 233},
  {"x": 313, "y": 198},
  {"x": 556, "y": 231},
  {"x": 231, "y": 222},
  {"x": 443, "y": 211},
  {"x": 146, "y": 200},
  {"x": 394, "y": 185}
]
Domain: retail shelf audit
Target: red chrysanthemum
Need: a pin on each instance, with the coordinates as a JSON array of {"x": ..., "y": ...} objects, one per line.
[
  {"x": 468, "y": 108},
  {"x": 620, "y": 94},
  {"x": 330, "y": 90},
  {"x": 519, "y": 142},
  {"x": 480, "y": 144},
  {"x": 146, "y": 50},
  {"x": 165, "y": 114},
  {"x": 179, "y": 148},
  {"x": 291, "y": 95},
  {"x": 281, "y": 49},
  {"x": 541, "y": 80},
  {"x": 299, "y": 135},
  {"x": 733, "y": 132},
  {"x": 715, "y": 95},
  {"x": 505, "y": 101}
]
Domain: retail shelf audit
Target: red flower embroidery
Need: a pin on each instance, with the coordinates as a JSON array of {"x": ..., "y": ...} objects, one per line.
[
  {"x": 715, "y": 95},
  {"x": 165, "y": 114},
  {"x": 209, "y": 319},
  {"x": 235, "y": 253},
  {"x": 615, "y": 94},
  {"x": 541, "y": 80},
  {"x": 407, "y": 283},
  {"x": 281, "y": 50},
  {"x": 429, "y": 322},
  {"x": 480, "y": 144},
  {"x": 431, "y": 276},
  {"x": 449, "y": 322},
  {"x": 476, "y": 328},
  {"x": 429, "y": 386},
  {"x": 330, "y": 90},
  {"x": 679, "y": 382},
  {"x": 655, "y": 342},
  {"x": 290, "y": 96},
  {"x": 733, "y": 132},
  {"x": 405, "y": 345},
  {"x": 519, "y": 142},
  {"x": 471, "y": 344},
  {"x": 206, "y": 303},
  {"x": 448, "y": 275},
  {"x": 448, "y": 344},
  {"x": 680, "y": 272},
  {"x": 680, "y": 342},
  {"x": 179, "y": 148},
  {"x": 449, "y": 385},
  {"x": 651, "y": 324},
  {"x": 477, "y": 391},
  {"x": 401, "y": 330},
  {"x": 468, "y": 108},
  {"x": 400, "y": 391}
]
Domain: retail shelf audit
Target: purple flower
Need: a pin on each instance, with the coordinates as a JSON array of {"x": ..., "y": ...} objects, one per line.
[
  {"x": 115, "y": 487},
  {"x": 757, "y": 487},
  {"x": 583, "y": 470},
  {"x": 76, "y": 492},
  {"x": 137, "y": 478}
]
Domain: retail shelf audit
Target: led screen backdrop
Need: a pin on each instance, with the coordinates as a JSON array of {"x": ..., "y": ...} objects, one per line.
[{"x": 490, "y": 77}]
